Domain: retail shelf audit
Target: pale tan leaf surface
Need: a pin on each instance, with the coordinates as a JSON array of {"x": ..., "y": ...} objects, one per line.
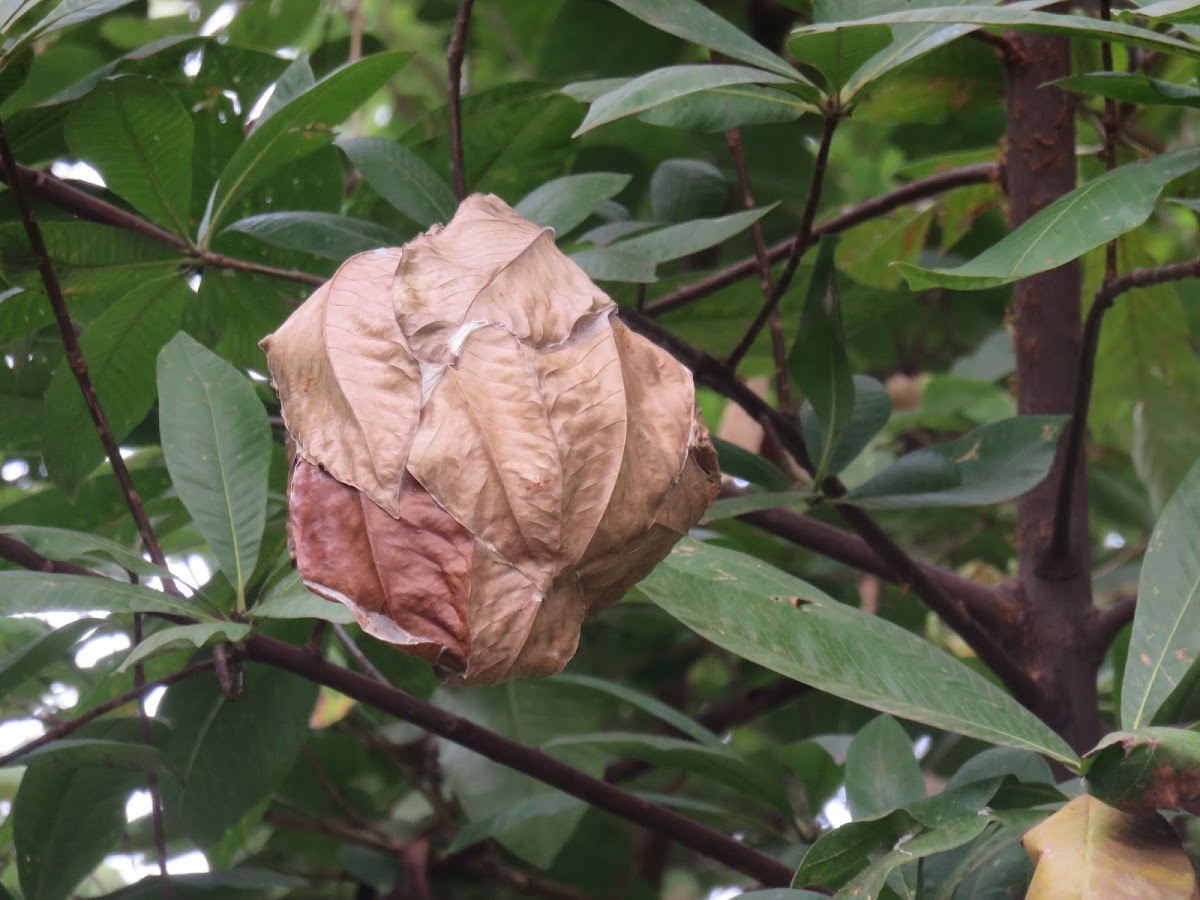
[
  {"x": 522, "y": 457},
  {"x": 1090, "y": 851},
  {"x": 349, "y": 388}
]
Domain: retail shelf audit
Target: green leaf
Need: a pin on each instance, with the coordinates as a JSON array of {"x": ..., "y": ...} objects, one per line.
[
  {"x": 1145, "y": 770},
  {"x": 67, "y": 13},
  {"x": 564, "y": 203},
  {"x": 741, "y": 463},
  {"x": 881, "y": 772},
  {"x": 993, "y": 463},
  {"x": 197, "y": 635},
  {"x": 120, "y": 348},
  {"x": 532, "y": 712},
  {"x": 99, "y": 753},
  {"x": 839, "y": 53},
  {"x": 729, "y": 507},
  {"x": 723, "y": 765},
  {"x": 668, "y": 715},
  {"x": 1168, "y": 11},
  {"x": 866, "y": 252},
  {"x": 686, "y": 238},
  {"x": 817, "y": 362},
  {"x": 732, "y": 106},
  {"x": 290, "y": 599},
  {"x": 745, "y": 606},
  {"x": 1092, "y": 214},
  {"x": 27, "y": 661},
  {"x": 56, "y": 844},
  {"x": 35, "y": 592},
  {"x": 615, "y": 264},
  {"x": 1022, "y": 18},
  {"x": 1133, "y": 87},
  {"x": 401, "y": 178},
  {"x": 302, "y": 126},
  {"x": 234, "y": 755},
  {"x": 511, "y": 821},
  {"x": 667, "y": 85},
  {"x": 139, "y": 137},
  {"x": 1166, "y": 626},
  {"x": 871, "y": 412},
  {"x": 685, "y": 189},
  {"x": 217, "y": 444},
  {"x": 839, "y": 855},
  {"x": 870, "y": 881},
  {"x": 689, "y": 20},
  {"x": 327, "y": 235},
  {"x": 89, "y": 549}
]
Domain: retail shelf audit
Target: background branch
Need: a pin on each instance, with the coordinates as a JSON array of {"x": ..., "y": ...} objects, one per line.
[{"x": 454, "y": 65}]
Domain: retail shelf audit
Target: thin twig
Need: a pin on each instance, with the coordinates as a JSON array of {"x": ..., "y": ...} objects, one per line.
[
  {"x": 509, "y": 753},
  {"x": 454, "y": 65},
  {"x": 1112, "y": 620},
  {"x": 69, "y": 727},
  {"x": 783, "y": 388},
  {"x": 803, "y": 240},
  {"x": 78, "y": 364},
  {"x": 152, "y": 786},
  {"x": 881, "y": 205},
  {"x": 1077, "y": 429},
  {"x": 358, "y": 656}
]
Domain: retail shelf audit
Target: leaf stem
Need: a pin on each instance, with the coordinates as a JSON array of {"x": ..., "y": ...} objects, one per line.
[
  {"x": 801, "y": 243},
  {"x": 454, "y": 65}
]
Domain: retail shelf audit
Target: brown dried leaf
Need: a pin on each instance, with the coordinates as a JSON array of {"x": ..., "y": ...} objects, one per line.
[
  {"x": 553, "y": 456},
  {"x": 349, "y": 388}
]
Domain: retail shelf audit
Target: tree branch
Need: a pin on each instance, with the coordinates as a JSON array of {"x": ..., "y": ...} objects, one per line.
[
  {"x": 883, "y": 204},
  {"x": 1112, "y": 620},
  {"x": 73, "y": 200},
  {"x": 518, "y": 757},
  {"x": 1077, "y": 429},
  {"x": 800, "y": 243},
  {"x": 454, "y": 64}
]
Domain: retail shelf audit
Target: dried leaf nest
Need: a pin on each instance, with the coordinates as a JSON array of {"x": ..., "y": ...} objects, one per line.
[{"x": 483, "y": 452}]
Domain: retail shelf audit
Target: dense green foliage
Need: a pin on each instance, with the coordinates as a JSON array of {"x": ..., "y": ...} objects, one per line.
[{"x": 774, "y": 677}]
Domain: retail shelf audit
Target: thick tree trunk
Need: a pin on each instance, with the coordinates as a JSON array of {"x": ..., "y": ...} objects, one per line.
[{"x": 1040, "y": 164}]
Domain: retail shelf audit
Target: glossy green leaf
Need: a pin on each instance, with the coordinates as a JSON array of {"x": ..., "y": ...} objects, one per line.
[
  {"x": 993, "y": 463},
  {"x": 55, "y": 845},
  {"x": 686, "y": 238},
  {"x": 27, "y": 661},
  {"x": 120, "y": 348},
  {"x": 728, "y": 507},
  {"x": 401, "y": 178},
  {"x": 100, "y": 753},
  {"x": 666, "y": 85},
  {"x": 1168, "y": 11},
  {"x": 290, "y": 599},
  {"x": 302, "y": 126},
  {"x": 566, "y": 202},
  {"x": 839, "y": 855},
  {"x": 234, "y": 755},
  {"x": 723, "y": 765},
  {"x": 668, "y": 715},
  {"x": 1133, "y": 87},
  {"x": 217, "y": 444},
  {"x": 881, "y": 772},
  {"x": 871, "y": 412},
  {"x": 1022, "y": 18},
  {"x": 741, "y": 463},
  {"x": 839, "y": 53},
  {"x": 71, "y": 12},
  {"x": 35, "y": 592},
  {"x": 1166, "y": 626},
  {"x": 532, "y": 712},
  {"x": 327, "y": 235},
  {"x": 91, "y": 550},
  {"x": 197, "y": 635},
  {"x": 689, "y": 20},
  {"x": 817, "y": 361},
  {"x": 685, "y": 189},
  {"x": 616, "y": 264},
  {"x": 1092, "y": 214},
  {"x": 731, "y": 106},
  {"x": 746, "y": 606},
  {"x": 139, "y": 137},
  {"x": 870, "y": 882}
]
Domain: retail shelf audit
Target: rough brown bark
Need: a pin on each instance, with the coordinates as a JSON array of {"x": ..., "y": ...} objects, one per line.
[{"x": 1058, "y": 646}]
